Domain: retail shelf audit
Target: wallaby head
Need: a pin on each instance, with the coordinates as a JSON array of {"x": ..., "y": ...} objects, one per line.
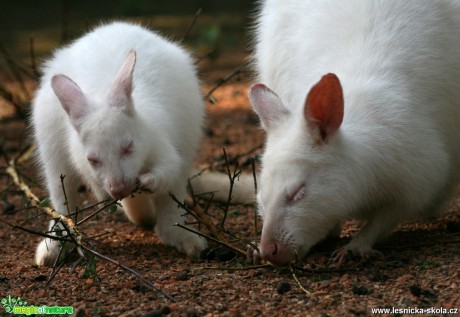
[
  {"x": 108, "y": 128},
  {"x": 297, "y": 181}
]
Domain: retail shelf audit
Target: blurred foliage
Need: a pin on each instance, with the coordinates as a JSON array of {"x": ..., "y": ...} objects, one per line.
[
  {"x": 30, "y": 30},
  {"x": 209, "y": 40},
  {"x": 57, "y": 21}
]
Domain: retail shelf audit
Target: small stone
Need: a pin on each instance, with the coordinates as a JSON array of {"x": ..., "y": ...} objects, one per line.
[
  {"x": 9, "y": 209},
  {"x": 162, "y": 311},
  {"x": 376, "y": 276},
  {"x": 41, "y": 278},
  {"x": 283, "y": 287},
  {"x": 165, "y": 310},
  {"x": 324, "y": 284},
  {"x": 3, "y": 279},
  {"x": 141, "y": 288},
  {"x": 80, "y": 312},
  {"x": 182, "y": 276},
  {"x": 420, "y": 292},
  {"x": 415, "y": 290},
  {"x": 358, "y": 289}
]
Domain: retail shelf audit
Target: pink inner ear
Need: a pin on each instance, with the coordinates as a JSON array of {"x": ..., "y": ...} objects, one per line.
[
  {"x": 70, "y": 96},
  {"x": 122, "y": 87},
  {"x": 324, "y": 106},
  {"x": 267, "y": 105}
]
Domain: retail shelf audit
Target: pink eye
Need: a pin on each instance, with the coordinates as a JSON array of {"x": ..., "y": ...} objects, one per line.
[
  {"x": 127, "y": 148},
  {"x": 297, "y": 194},
  {"x": 93, "y": 160}
]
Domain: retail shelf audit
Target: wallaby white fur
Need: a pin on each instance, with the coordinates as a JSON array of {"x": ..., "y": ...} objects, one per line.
[
  {"x": 116, "y": 109},
  {"x": 395, "y": 156},
  {"x": 216, "y": 185}
]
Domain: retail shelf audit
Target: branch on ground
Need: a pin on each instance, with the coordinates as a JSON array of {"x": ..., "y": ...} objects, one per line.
[{"x": 73, "y": 235}]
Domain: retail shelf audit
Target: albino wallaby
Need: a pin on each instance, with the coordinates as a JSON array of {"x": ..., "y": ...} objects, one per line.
[
  {"x": 120, "y": 108},
  {"x": 362, "y": 117}
]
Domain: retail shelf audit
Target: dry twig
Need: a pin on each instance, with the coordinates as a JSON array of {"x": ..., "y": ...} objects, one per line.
[
  {"x": 190, "y": 27},
  {"x": 232, "y": 176},
  {"x": 307, "y": 292},
  {"x": 253, "y": 165},
  {"x": 73, "y": 234},
  {"x": 231, "y": 247},
  {"x": 12, "y": 171},
  {"x": 224, "y": 80},
  {"x": 218, "y": 233}
]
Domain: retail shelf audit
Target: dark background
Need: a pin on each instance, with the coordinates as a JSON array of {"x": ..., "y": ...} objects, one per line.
[{"x": 223, "y": 24}]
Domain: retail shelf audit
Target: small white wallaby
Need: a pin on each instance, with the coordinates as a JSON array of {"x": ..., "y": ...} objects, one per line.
[
  {"x": 118, "y": 109},
  {"x": 362, "y": 117}
]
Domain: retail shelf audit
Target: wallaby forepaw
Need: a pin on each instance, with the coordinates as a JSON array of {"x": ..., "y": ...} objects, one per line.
[
  {"x": 184, "y": 241},
  {"x": 47, "y": 252},
  {"x": 147, "y": 181},
  {"x": 193, "y": 246},
  {"x": 253, "y": 254},
  {"x": 351, "y": 250}
]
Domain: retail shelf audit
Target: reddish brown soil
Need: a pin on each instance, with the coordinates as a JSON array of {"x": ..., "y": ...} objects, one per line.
[{"x": 421, "y": 267}]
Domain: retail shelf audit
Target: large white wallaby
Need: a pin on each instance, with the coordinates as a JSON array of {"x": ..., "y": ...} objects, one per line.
[
  {"x": 120, "y": 109},
  {"x": 362, "y": 117}
]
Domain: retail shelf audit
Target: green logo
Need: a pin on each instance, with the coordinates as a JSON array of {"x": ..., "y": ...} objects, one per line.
[
  {"x": 19, "y": 307},
  {"x": 10, "y": 303}
]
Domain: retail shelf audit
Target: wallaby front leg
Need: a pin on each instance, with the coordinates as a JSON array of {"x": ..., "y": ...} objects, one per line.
[
  {"x": 48, "y": 249},
  {"x": 140, "y": 209},
  {"x": 168, "y": 214},
  {"x": 376, "y": 228}
]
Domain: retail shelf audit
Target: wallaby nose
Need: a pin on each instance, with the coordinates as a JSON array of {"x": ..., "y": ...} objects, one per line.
[
  {"x": 118, "y": 190},
  {"x": 276, "y": 253},
  {"x": 268, "y": 252}
]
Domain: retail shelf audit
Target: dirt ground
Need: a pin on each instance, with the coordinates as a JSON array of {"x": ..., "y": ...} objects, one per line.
[{"x": 420, "y": 269}]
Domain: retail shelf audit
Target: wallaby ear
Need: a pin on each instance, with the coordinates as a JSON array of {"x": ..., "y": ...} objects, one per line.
[
  {"x": 122, "y": 88},
  {"x": 324, "y": 107},
  {"x": 267, "y": 105},
  {"x": 71, "y": 97}
]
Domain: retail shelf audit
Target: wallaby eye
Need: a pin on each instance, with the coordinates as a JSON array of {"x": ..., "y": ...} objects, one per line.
[
  {"x": 127, "y": 148},
  {"x": 297, "y": 194},
  {"x": 93, "y": 160}
]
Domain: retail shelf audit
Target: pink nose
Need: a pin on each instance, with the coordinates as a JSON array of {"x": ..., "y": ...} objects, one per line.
[
  {"x": 277, "y": 253},
  {"x": 119, "y": 190}
]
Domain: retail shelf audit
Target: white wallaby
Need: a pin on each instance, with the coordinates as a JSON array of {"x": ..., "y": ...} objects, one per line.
[
  {"x": 119, "y": 109},
  {"x": 362, "y": 117}
]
